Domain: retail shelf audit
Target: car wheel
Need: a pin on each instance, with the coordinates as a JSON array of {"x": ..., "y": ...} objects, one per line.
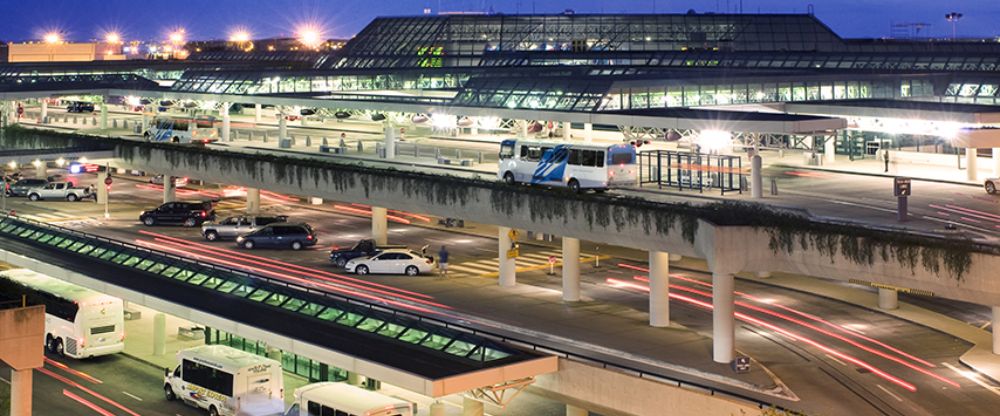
[
  {"x": 34, "y": 197},
  {"x": 168, "y": 393},
  {"x": 150, "y": 221},
  {"x": 412, "y": 270},
  {"x": 340, "y": 262},
  {"x": 296, "y": 245},
  {"x": 59, "y": 348},
  {"x": 248, "y": 244},
  {"x": 190, "y": 222},
  {"x": 362, "y": 270},
  {"x": 991, "y": 188},
  {"x": 212, "y": 411},
  {"x": 211, "y": 235},
  {"x": 508, "y": 178},
  {"x": 574, "y": 185},
  {"x": 72, "y": 198}
]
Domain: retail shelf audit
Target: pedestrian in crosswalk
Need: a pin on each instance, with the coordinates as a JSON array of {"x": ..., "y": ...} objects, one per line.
[{"x": 443, "y": 261}]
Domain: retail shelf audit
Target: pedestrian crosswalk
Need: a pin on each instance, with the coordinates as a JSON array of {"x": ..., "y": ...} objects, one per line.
[
  {"x": 526, "y": 262},
  {"x": 60, "y": 218}
]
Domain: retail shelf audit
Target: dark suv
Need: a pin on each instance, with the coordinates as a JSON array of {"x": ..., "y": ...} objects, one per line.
[
  {"x": 188, "y": 214},
  {"x": 279, "y": 235}
]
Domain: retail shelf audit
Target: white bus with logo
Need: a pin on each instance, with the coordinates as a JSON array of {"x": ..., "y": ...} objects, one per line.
[
  {"x": 79, "y": 322},
  {"x": 577, "y": 166},
  {"x": 226, "y": 382},
  {"x": 342, "y": 399},
  {"x": 199, "y": 130}
]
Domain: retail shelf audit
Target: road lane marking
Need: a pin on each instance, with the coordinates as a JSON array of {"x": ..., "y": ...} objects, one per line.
[
  {"x": 4, "y": 380},
  {"x": 835, "y": 359},
  {"x": 898, "y": 399},
  {"x": 132, "y": 395},
  {"x": 973, "y": 377},
  {"x": 983, "y": 326}
]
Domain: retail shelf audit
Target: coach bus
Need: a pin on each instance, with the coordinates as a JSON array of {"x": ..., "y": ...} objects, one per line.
[{"x": 577, "y": 166}]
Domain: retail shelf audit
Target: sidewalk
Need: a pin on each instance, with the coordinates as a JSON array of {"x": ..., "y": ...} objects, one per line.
[{"x": 872, "y": 167}]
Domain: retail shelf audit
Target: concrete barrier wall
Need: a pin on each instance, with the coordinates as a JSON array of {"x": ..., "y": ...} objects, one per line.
[{"x": 22, "y": 336}]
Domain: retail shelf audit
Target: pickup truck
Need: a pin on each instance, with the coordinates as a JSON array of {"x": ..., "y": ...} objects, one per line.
[
  {"x": 59, "y": 190},
  {"x": 233, "y": 227},
  {"x": 363, "y": 248}
]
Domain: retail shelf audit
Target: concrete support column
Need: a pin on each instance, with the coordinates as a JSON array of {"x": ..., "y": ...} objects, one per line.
[
  {"x": 567, "y": 132},
  {"x": 104, "y": 115},
  {"x": 575, "y": 411},
  {"x": 996, "y": 332},
  {"x": 996, "y": 162},
  {"x": 763, "y": 275},
  {"x": 756, "y": 177},
  {"x": 257, "y": 109},
  {"x": 20, "y": 392},
  {"x": 102, "y": 189},
  {"x": 522, "y": 129},
  {"x": 303, "y": 121},
  {"x": 274, "y": 354},
  {"x": 253, "y": 201},
  {"x": 380, "y": 226},
  {"x": 282, "y": 126},
  {"x": 971, "y": 167},
  {"x": 226, "y": 123},
  {"x": 41, "y": 172},
  {"x": 44, "y": 113},
  {"x": 675, "y": 257},
  {"x": 159, "y": 334},
  {"x": 723, "y": 318},
  {"x": 830, "y": 150},
  {"x": 570, "y": 269},
  {"x": 169, "y": 189},
  {"x": 508, "y": 266},
  {"x": 145, "y": 122},
  {"x": 437, "y": 408},
  {"x": 390, "y": 141},
  {"x": 472, "y": 407},
  {"x": 588, "y": 132},
  {"x": 353, "y": 378},
  {"x": 888, "y": 299},
  {"x": 659, "y": 288}
]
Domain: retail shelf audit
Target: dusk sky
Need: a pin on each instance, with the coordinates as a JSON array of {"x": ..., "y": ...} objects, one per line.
[{"x": 86, "y": 19}]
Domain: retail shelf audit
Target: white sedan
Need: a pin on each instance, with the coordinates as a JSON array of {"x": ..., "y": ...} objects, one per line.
[
  {"x": 992, "y": 185},
  {"x": 405, "y": 262}
]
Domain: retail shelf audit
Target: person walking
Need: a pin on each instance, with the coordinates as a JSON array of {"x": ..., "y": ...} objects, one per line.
[
  {"x": 443, "y": 261},
  {"x": 885, "y": 156}
]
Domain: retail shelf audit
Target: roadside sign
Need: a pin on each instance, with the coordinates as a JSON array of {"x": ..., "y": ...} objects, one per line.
[
  {"x": 513, "y": 234},
  {"x": 901, "y": 187},
  {"x": 552, "y": 259},
  {"x": 107, "y": 181},
  {"x": 513, "y": 253},
  {"x": 741, "y": 364}
]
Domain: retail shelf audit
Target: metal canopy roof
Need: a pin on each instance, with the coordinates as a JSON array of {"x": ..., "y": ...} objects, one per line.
[
  {"x": 444, "y": 359},
  {"x": 923, "y": 110}
]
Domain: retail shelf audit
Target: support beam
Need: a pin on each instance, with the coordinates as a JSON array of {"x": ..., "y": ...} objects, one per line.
[
  {"x": 390, "y": 141},
  {"x": 570, "y": 269},
  {"x": 588, "y": 132},
  {"x": 253, "y": 201},
  {"x": 508, "y": 266},
  {"x": 830, "y": 150},
  {"x": 888, "y": 299},
  {"x": 102, "y": 190},
  {"x": 380, "y": 226},
  {"x": 282, "y": 126},
  {"x": 522, "y": 129},
  {"x": 169, "y": 188},
  {"x": 659, "y": 288},
  {"x": 159, "y": 334},
  {"x": 575, "y": 411},
  {"x": 996, "y": 162},
  {"x": 104, "y": 115},
  {"x": 20, "y": 391},
  {"x": 257, "y": 110},
  {"x": 43, "y": 114},
  {"x": 996, "y": 332},
  {"x": 756, "y": 177},
  {"x": 472, "y": 407},
  {"x": 723, "y": 318},
  {"x": 971, "y": 167},
  {"x": 226, "y": 123},
  {"x": 567, "y": 132}
]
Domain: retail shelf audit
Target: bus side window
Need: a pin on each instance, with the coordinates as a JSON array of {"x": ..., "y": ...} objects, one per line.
[
  {"x": 599, "y": 158},
  {"x": 588, "y": 158},
  {"x": 524, "y": 152},
  {"x": 575, "y": 157}
]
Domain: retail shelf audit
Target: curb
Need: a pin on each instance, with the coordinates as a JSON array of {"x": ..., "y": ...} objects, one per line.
[{"x": 872, "y": 174}]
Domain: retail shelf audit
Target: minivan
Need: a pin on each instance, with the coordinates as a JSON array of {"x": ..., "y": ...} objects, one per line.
[{"x": 279, "y": 235}]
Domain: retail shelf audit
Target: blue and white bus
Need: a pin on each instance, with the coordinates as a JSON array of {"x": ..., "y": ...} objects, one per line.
[
  {"x": 200, "y": 130},
  {"x": 574, "y": 165}
]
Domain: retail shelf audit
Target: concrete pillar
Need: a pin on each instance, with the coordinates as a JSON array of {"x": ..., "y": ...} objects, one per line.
[
  {"x": 756, "y": 177},
  {"x": 996, "y": 332},
  {"x": 659, "y": 289},
  {"x": 588, "y": 132},
  {"x": 159, "y": 334},
  {"x": 971, "y": 167},
  {"x": 390, "y": 141},
  {"x": 44, "y": 113},
  {"x": 20, "y": 392},
  {"x": 257, "y": 109},
  {"x": 41, "y": 172},
  {"x": 567, "y": 132},
  {"x": 996, "y": 162},
  {"x": 830, "y": 150},
  {"x": 253, "y": 201},
  {"x": 353, "y": 378},
  {"x": 104, "y": 115},
  {"x": 571, "y": 269},
  {"x": 169, "y": 189},
  {"x": 472, "y": 407},
  {"x": 303, "y": 121},
  {"x": 763, "y": 275},
  {"x": 522, "y": 129},
  {"x": 380, "y": 226},
  {"x": 226, "y": 123},
  {"x": 723, "y": 318},
  {"x": 508, "y": 266},
  {"x": 102, "y": 189},
  {"x": 888, "y": 299},
  {"x": 282, "y": 127},
  {"x": 437, "y": 408},
  {"x": 674, "y": 258},
  {"x": 575, "y": 411},
  {"x": 315, "y": 200},
  {"x": 145, "y": 122},
  {"x": 274, "y": 354}
]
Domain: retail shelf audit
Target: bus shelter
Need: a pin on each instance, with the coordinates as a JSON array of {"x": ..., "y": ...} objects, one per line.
[{"x": 691, "y": 171}]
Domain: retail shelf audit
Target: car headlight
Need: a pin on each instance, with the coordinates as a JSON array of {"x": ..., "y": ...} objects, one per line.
[{"x": 240, "y": 239}]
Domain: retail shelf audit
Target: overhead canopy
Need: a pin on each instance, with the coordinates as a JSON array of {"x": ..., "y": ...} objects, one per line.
[{"x": 973, "y": 114}]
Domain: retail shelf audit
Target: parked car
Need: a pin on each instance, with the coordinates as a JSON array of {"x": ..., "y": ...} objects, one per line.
[
  {"x": 992, "y": 185},
  {"x": 59, "y": 190},
  {"x": 21, "y": 187},
  {"x": 80, "y": 107},
  {"x": 188, "y": 214},
  {"x": 179, "y": 182},
  {"x": 233, "y": 227},
  {"x": 363, "y": 248},
  {"x": 392, "y": 261},
  {"x": 279, "y": 235}
]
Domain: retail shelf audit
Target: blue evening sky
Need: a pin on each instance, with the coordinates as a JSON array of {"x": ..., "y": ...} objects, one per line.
[{"x": 151, "y": 19}]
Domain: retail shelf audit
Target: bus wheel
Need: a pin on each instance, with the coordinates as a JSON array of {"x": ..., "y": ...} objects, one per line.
[
  {"x": 50, "y": 343},
  {"x": 169, "y": 393},
  {"x": 176, "y": 139},
  {"x": 146, "y": 136},
  {"x": 508, "y": 178},
  {"x": 212, "y": 411},
  {"x": 574, "y": 185},
  {"x": 59, "y": 348}
]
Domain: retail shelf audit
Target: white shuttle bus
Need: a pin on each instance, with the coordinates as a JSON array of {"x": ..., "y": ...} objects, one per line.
[
  {"x": 79, "y": 322},
  {"x": 200, "y": 130},
  {"x": 342, "y": 399},
  {"x": 226, "y": 382},
  {"x": 574, "y": 165}
]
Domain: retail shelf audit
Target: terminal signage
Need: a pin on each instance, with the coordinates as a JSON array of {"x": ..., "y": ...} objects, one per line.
[
  {"x": 901, "y": 187},
  {"x": 741, "y": 365}
]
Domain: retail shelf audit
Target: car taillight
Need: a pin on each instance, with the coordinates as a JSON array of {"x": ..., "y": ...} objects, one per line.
[
  {"x": 202, "y": 214},
  {"x": 309, "y": 237}
]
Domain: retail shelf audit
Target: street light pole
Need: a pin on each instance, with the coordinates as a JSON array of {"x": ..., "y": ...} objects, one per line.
[{"x": 107, "y": 191}]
